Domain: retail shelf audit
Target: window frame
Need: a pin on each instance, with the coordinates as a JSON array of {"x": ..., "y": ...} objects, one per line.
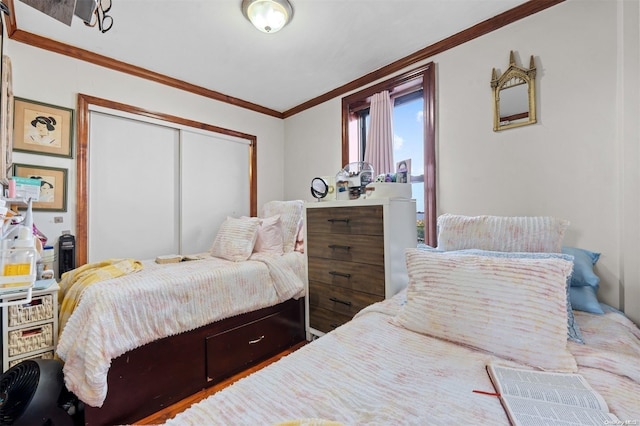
[{"x": 361, "y": 99}]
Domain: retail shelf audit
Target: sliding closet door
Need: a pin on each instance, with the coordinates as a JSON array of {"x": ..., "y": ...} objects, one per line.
[
  {"x": 215, "y": 184},
  {"x": 134, "y": 201}
]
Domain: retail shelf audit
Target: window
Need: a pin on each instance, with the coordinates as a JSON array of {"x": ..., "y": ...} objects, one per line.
[{"x": 413, "y": 94}]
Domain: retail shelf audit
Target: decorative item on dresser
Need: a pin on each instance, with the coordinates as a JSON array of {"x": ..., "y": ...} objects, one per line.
[{"x": 355, "y": 257}]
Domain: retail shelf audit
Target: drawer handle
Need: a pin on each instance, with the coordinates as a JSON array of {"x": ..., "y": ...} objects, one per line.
[
  {"x": 258, "y": 340},
  {"x": 338, "y": 220},
  {"x": 344, "y": 302},
  {"x": 336, "y": 246},
  {"x": 340, "y": 274}
]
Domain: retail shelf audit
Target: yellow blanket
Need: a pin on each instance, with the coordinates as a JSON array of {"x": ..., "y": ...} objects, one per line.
[{"x": 75, "y": 282}]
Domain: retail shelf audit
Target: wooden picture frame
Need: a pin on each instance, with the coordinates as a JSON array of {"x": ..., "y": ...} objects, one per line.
[
  {"x": 41, "y": 128},
  {"x": 53, "y": 189},
  {"x": 6, "y": 121}
]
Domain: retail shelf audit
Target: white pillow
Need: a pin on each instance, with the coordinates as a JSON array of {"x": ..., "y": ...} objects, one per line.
[
  {"x": 236, "y": 238},
  {"x": 269, "y": 238},
  {"x": 291, "y": 218},
  {"x": 514, "y": 308},
  {"x": 498, "y": 233}
]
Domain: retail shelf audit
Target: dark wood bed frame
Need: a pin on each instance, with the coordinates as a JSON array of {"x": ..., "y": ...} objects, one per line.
[{"x": 152, "y": 377}]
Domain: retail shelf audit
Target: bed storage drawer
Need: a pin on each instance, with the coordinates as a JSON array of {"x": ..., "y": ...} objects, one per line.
[
  {"x": 163, "y": 372},
  {"x": 233, "y": 350}
]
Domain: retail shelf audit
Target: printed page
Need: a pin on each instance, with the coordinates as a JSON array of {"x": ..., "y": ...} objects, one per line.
[
  {"x": 525, "y": 412},
  {"x": 557, "y": 388},
  {"x": 192, "y": 257}
]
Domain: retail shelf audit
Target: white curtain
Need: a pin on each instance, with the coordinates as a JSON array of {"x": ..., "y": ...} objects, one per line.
[{"x": 379, "y": 149}]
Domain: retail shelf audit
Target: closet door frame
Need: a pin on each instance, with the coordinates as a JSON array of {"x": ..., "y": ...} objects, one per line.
[{"x": 85, "y": 102}]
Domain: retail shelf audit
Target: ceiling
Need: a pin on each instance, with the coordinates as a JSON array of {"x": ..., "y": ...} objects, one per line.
[{"x": 210, "y": 44}]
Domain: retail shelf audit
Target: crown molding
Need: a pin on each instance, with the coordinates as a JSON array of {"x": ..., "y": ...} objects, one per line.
[{"x": 512, "y": 15}]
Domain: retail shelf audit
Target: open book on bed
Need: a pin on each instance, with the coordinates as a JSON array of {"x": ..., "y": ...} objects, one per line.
[
  {"x": 538, "y": 397},
  {"x": 175, "y": 258}
]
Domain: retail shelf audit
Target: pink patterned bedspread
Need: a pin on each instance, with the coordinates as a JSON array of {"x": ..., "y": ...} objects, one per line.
[
  {"x": 121, "y": 314},
  {"x": 372, "y": 372}
]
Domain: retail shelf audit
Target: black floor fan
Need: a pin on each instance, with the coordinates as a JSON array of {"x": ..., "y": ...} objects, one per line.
[{"x": 32, "y": 393}]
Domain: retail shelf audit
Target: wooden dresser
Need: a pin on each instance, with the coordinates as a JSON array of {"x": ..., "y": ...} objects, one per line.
[{"x": 355, "y": 257}]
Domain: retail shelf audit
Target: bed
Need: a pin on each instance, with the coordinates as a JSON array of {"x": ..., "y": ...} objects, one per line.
[
  {"x": 418, "y": 357},
  {"x": 137, "y": 336}
]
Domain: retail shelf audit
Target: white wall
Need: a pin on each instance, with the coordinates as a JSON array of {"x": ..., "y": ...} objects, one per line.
[
  {"x": 580, "y": 162},
  {"x": 55, "y": 79},
  {"x": 569, "y": 165}
]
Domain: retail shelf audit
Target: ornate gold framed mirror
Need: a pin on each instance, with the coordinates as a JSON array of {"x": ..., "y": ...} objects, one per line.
[{"x": 514, "y": 96}]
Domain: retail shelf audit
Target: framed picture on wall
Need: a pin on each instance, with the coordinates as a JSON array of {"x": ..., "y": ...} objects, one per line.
[
  {"x": 42, "y": 128},
  {"x": 53, "y": 186}
]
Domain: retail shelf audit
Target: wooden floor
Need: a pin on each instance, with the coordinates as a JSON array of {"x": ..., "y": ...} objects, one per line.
[{"x": 170, "y": 412}]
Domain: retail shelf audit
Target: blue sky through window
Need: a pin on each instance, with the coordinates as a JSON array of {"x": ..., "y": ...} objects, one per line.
[{"x": 409, "y": 142}]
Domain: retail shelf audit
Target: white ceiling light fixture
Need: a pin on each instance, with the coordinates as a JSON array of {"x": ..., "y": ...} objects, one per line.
[{"x": 269, "y": 16}]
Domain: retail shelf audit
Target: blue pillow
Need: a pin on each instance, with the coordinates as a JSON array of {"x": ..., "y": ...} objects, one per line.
[
  {"x": 426, "y": 247},
  {"x": 585, "y": 299},
  {"x": 573, "y": 331},
  {"x": 583, "y": 262}
]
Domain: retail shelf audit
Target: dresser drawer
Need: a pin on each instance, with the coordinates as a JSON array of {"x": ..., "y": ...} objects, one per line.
[
  {"x": 39, "y": 309},
  {"x": 352, "y": 248},
  {"x": 30, "y": 339},
  {"x": 325, "y": 320},
  {"x": 366, "y": 220},
  {"x": 232, "y": 350},
  {"x": 340, "y": 300},
  {"x": 350, "y": 275},
  {"x": 43, "y": 355}
]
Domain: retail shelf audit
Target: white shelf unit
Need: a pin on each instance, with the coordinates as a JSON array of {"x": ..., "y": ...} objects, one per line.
[{"x": 30, "y": 330}]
